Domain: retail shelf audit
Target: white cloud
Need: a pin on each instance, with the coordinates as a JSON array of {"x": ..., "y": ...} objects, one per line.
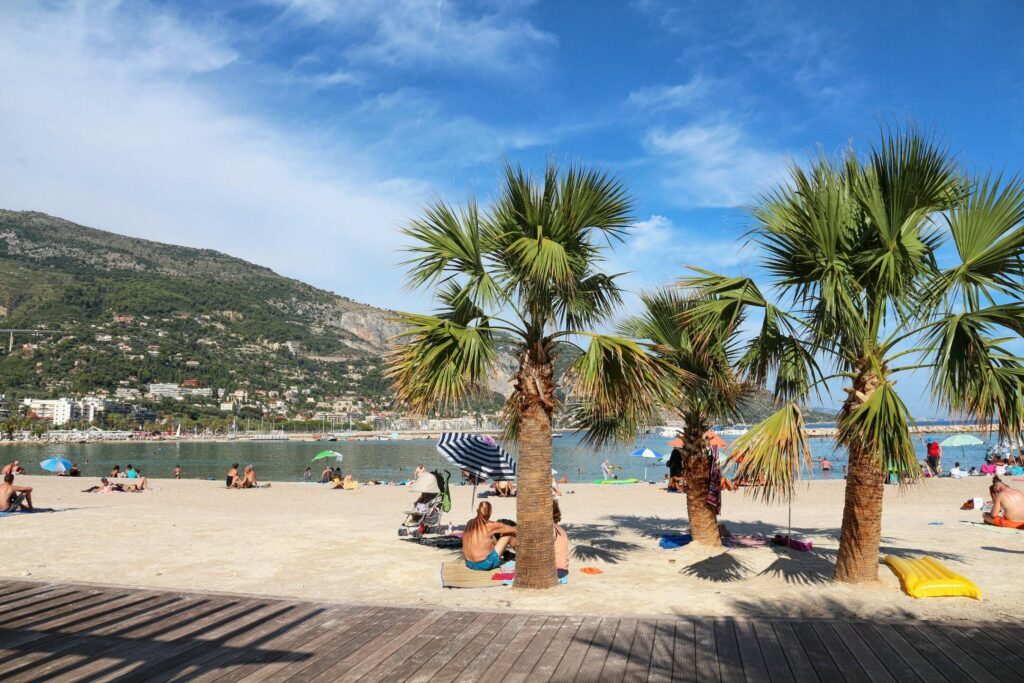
[
  {"x": 115, "y": 128},
  {"x": 427, "y": 33},
  {"x": 666, "y": 97},
  {"x": 714, "y": 164}
]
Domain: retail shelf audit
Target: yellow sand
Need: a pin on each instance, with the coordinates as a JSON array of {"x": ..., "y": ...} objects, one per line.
[{"x": 308, "y": 541}]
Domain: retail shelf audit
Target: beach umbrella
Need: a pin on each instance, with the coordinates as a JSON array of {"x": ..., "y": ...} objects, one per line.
[
  {"x": 58, "y": 465},
  {"x": 479, "y": 455},
  {"x": 713, "y": 438},
  {"x": 323, "y": 455},
  {"x": 645, "y": 453},
  {"x": 961, "y": 440}
]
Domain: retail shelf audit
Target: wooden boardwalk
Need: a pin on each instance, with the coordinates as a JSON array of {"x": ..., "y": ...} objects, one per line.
[{"x": 70, "y": 633}]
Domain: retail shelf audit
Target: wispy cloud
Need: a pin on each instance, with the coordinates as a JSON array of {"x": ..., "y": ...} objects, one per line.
[
  {"x": 98, "y": 125},
  {"x": 714, "y": 164},
  {"x": 668, "y": 97},
  {"x": 403, "y": 33}
]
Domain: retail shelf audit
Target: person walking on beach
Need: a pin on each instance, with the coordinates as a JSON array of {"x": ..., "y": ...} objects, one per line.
[
  {"x": 934, "y": 456},
  {"x": 606, "y": 472}
]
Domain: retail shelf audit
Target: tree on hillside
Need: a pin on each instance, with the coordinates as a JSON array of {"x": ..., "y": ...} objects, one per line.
[
  {"x": 526, "y": 269},
  {"x": 889, "y": 263},
  {"x": 710, "y": 358}
]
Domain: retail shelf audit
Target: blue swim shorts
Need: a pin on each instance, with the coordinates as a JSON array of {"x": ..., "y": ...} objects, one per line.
[{"x": 492, "y": 561}]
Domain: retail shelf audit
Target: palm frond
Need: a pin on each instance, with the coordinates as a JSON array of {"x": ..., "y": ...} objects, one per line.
[
  {"x": 436, "y": 362},
  {"x": 880, "y": 426},
  {"x": 773, "y": 453},
  {"x": 617, "y": 386}
]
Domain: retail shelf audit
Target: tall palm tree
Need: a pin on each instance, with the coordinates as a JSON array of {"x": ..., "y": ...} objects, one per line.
[
  {"x": 710, "y": 359},
  {"x": 858, "y": 251},
  {"x": 525, "y": 272}
]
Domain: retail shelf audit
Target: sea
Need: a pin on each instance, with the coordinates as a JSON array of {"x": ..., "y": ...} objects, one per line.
[{"x": 395, "y": 460}]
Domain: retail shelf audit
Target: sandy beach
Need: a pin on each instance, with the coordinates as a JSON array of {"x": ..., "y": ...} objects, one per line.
[{"x": 307, "y": 541}]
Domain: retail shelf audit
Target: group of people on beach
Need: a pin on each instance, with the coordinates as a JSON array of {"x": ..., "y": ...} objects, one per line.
[
  {"x": 245, "y": 480},
  {"x": 12, "y": 497}
]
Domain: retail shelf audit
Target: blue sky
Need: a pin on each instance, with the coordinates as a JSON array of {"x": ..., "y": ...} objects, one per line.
[{"x": 301, "y": 134}]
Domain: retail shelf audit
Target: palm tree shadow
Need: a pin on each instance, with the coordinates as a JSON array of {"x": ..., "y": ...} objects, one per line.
[
  {"x": 822, "y": 606},
  {"x": 598, "y": 542},
  {"x": 724, "y": 568},
  {"x": 913, "y": 553},
  {"x": 1002, "y": 550},
  {"x": 648, "y": 527},
  {"x": 802, "y": 569}
]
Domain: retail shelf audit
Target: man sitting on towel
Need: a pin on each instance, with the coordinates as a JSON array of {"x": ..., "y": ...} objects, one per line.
[
  {"x": 9, "y": 493},
  {"x": 479, "y": 547},
  {"x": 1007, "y": 505}
]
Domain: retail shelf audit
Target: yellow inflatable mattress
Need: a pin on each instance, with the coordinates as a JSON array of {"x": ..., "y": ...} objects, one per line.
[{"x": 926, "y": 577}]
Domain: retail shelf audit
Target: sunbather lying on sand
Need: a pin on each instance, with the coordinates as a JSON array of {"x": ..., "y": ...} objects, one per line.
[
  {"x": 104, "y": 487},
  {"x": 479, "y": 548},
  {"x": 1007, "y": 505}
]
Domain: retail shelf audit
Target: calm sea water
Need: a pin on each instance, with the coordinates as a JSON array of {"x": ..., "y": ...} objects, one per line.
[{"x": 395, "y": 460}]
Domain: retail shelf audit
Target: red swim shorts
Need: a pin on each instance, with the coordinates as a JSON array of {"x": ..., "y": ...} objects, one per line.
[{"x": 1009, "y": 523}]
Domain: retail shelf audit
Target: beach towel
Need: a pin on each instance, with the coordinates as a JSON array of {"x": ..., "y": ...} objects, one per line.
[
  {"x": 10, "y": 513},
  {"x": 745, "y": 541},
  {"x": 671, "y": 542},
  {"x": 451, "y": 542},
  {"x": 989, "y": 527},
  {"x": 457, "y": 575},
  {"x": 715, "y": 487}
]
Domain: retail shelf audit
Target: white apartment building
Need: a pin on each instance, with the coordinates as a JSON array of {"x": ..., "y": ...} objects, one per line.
[{"x": 57, "y": 411}]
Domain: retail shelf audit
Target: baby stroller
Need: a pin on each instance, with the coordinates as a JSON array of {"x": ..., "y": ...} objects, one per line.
[{"x": 434, "y": 500}]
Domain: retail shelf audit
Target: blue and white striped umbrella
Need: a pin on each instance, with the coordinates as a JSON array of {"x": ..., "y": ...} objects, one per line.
[
  {"x": 479, "y": 455},
  {"x": 58, "y": 465}
]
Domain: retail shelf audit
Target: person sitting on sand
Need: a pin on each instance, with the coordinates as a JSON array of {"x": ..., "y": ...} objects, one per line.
[
  {"x": 325, "y": 476},
  {"x": 105, "y": 487},
  {"x": 479, "y": 548},
  {"x": 231, "y": 479},
  {"x": 956, "y": 472},
  {"x": 420, "y": 470},
  {"x": 11, "y": 468},
  {"x": 140, "y": 483},
  {"x": 13, "y": 497},
  {"x": 1007, "y": 505},
  {"x": 561, "y": 542},
  {"x": 115, "y": 472},
  {"x": 74, "y": 471},
  {"x": 249, "y": 480},
  {"x": 504, "y": 489},
  {"x": 130, "y": 472}
]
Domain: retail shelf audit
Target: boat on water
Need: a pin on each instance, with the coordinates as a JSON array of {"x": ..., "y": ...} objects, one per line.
[{"x": 734, "y": 430}]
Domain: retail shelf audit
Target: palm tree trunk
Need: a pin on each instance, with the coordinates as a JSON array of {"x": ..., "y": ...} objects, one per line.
[
  {"x": 535, "y": 546},
  {"x": 703, "y": 520},
  {"x": 861, "y": 532}
]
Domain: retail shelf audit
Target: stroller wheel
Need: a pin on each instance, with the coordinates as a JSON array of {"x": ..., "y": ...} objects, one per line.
[
  {"x": 403, "y": 532},
  {"x": 416, "y": 533}
]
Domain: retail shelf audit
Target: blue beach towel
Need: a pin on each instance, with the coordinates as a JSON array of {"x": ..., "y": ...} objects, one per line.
[{"x": 671, "y": 542}]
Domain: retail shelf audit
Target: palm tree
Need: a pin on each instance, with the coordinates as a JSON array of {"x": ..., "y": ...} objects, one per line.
[
  {"x": 525, "y": 272},
  {"x": 857, "y": 250},
  {"x": 709, "y": 358}
]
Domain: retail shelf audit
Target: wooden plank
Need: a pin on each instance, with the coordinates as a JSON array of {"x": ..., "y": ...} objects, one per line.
[
  {"x": 572, "y": 659},
  {"x": 706, "y": 653},
  {"x": 94, "y": 641},
  {"x": 664, "y": 636},
  {"x": 72, "y": 622},
  {"x": 888, "y": 651},
  {"x": 285, "y": 646},
  {"x": 593, "y": 661},
  {"x": 503, "y": 661},
  {"x": 866, "y": 657},
  {"x": 162, "y": 641},
  {"x": 477, "y": 668},
  {"x": 391, "y": 642},
  {"x": 14, "y": 596},
  {"x": 441, "y": 643},
  {"x": 31, "y": 610},
  {"x": 998, "y": 637},
  {"x": 950, "y": 667},
  {"x": 638, "y": 666},
  {"x": 774, "y": 658},
  {"x": 449, "y": 660},
  {"x": 357, "y": 636},
  {"x": 554, "y": 651},
  {"x": 794, "y": 652},
  {"x": 819, "y": 656},
  {"x": 684, "y": 651},
  {"x": 53, "y": 611},
  {"x": 368, "y": 642},
  {"x": 527, "y": 661},
  {"x": 847, "y": 663},
  {"x": 730, "y": 663},
  {"x": 975, "y": 653},
  {"x": 418, "y": 649},
  {"x": 237, "y": 645},
  {"x": 754, "y": 666},
  {"x": 618, "y": 654},
  {"x": 331, "y": 630}
]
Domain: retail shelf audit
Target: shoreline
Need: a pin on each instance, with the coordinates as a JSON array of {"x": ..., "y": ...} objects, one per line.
[{"x": 385, "y": 437}]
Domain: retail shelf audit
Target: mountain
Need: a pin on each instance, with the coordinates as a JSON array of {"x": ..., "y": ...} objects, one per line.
[{"x": 171, "y": 313}]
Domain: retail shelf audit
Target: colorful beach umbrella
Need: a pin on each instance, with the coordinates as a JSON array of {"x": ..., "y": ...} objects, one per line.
[
  {"x": 58, "y": 465},
  {"x": 961, "y": 440},
  {"x": 645, "y": 453},
  {"x": 323, "y": 455}
]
